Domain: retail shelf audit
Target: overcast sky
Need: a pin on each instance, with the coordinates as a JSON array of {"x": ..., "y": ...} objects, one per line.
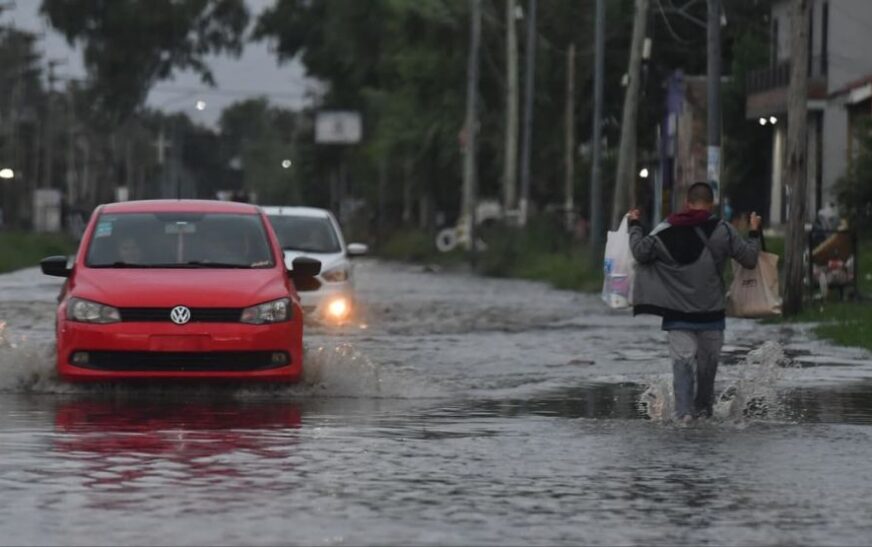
[{"x": 255, "y": 73}]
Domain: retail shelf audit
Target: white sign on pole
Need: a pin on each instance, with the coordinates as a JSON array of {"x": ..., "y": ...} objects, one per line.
[{"x": 338, "y": 127}]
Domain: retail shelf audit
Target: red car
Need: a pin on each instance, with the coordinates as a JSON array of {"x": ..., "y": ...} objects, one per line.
[{"x": 179, "y": 289}]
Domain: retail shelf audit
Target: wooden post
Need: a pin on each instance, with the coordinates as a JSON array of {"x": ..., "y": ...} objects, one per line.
[
  {"x": 795, "y": 173},
  {"x": 625, "y": 183},
  {"x": 510, "y": 168},
  {"x": 569, "y": 186}
]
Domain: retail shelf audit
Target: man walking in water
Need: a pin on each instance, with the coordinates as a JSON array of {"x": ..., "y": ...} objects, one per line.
[{"x": 679, "y": 277}]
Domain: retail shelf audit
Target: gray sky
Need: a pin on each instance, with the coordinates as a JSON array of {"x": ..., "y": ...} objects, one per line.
[{"x": 255, "y": 73}]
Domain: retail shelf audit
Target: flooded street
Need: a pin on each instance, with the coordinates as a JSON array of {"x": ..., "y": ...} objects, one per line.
[{"x": 456, "y": 410}]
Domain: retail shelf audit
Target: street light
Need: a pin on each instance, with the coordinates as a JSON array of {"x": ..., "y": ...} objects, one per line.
[
  {"x": 644, "y": 173},
  {"x": 763, "y": 121},
  {"x": 286, "y": 164},
  {"x": 773, "y": 120},
  {"x": 200, "y": 105},
  {"x": 7, "y": 174}
]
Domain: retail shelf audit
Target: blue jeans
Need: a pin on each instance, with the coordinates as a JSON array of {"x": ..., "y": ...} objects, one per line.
[{"x": 695, "y": 357}]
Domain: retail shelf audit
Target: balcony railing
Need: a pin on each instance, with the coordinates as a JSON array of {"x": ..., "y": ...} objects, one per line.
[{"x": 779, "y": 75}]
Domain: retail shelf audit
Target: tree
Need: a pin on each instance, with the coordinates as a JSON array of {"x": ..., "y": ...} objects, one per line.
[
  {"x": 129, "y": 45},
  {"x": 261, "y": 138}
]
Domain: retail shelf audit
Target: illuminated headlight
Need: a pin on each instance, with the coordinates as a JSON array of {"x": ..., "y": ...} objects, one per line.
[
  {"x": 338, "y": 308},
  {"x": 270, "y": 312},
  {"x": 86, "y": 311},
  {"x": 336, "y": 275}
]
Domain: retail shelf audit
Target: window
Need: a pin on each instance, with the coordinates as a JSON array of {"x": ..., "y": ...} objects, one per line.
[{"x": 825, "y": 35}]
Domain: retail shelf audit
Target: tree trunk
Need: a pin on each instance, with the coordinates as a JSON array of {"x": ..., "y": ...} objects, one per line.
[
  {"x": 510, "y": 169},
  {"x": 470, "y": 169},
  {"x": 795, "y": 174},
  {"x": 596, "y": 184},
  {"x": 407, "y": 190},
  {"x": 625, "y": 183},
  {"x": 569, "y": 186}
]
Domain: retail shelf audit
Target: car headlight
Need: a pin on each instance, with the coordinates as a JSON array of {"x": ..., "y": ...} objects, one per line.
[
  {"x": 336, "y": 275},
  {"x": 86, "y": 311},
  {"x": 338, "y": 308},
  {"x": 270, "y": 312}
]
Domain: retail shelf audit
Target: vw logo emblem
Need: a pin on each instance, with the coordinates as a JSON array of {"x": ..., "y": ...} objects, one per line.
[{"x": 180, "y": 315}]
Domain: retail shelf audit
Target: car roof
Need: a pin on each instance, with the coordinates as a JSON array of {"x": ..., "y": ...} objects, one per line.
[
  {"x": 312, "y": 212},
  {"x": 180, "y": 206}
]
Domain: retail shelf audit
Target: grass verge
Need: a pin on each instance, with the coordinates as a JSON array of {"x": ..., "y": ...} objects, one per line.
[{"x": 22, "y": 249}]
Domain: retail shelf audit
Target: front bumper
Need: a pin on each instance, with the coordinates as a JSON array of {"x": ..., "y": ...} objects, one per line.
[{"x": 219, "y": 351}]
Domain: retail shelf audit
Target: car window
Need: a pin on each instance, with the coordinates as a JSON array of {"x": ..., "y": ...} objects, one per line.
[
  {"x": 308, "y": 234},
  {"x": 179, "y": 240}
]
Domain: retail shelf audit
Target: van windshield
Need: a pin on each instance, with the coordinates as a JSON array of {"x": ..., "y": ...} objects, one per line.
[{"x": 179, "y": 240}]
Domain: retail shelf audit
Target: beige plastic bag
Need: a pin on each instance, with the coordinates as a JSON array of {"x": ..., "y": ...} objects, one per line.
[{"x": 755, "y": 293}]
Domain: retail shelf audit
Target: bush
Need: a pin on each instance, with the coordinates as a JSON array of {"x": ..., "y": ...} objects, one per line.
[
  {"x": 409, "y": 245},
  {"x": 21, "y": 250}
]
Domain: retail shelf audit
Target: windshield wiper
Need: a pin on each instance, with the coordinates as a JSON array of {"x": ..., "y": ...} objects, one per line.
[
  {"x": 210, "y": 264},
  {"x": 120, "y": 264}
]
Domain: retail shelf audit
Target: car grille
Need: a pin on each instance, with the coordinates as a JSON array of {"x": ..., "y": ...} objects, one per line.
[
  {"x": 198, "y": 315},
  {"x": 164, "y": 361}
]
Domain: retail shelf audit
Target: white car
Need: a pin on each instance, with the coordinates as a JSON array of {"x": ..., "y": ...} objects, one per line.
[{"x": 315, "y": 233}]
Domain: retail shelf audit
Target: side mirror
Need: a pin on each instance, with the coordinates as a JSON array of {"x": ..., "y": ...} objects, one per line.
[
  {"x": 357, "y": 249},
  {"x": 304, "y": 267},
  {"x": 55, "y": 266}
]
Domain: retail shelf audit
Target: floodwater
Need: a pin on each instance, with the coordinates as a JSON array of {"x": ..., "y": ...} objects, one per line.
[{"x": 455, "y": 411}]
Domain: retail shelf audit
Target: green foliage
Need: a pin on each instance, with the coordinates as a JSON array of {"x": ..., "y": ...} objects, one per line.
[
  {"x": 261, "y": 138},
  {"x": 131, "y": 44},
  {"x": 544, "y": 251},
  {"x": 22, "y": 250},
  {"x": 409, "y": 245},
  {"x": 854, "y": 189}
]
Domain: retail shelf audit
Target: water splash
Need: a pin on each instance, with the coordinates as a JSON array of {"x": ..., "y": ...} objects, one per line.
[
  {"x": 28, "y": 366},
  {"x": 749, "y": 393}
]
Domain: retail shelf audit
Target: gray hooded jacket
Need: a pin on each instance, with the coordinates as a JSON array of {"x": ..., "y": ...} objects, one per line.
[{"x": 679, "y": 268}]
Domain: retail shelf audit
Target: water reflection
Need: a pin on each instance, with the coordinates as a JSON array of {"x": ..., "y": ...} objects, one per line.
[{"x": 125, "y": 441}]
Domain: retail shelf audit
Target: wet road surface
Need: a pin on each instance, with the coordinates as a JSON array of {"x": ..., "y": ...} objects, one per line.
[{"x": 455, "y": 410}]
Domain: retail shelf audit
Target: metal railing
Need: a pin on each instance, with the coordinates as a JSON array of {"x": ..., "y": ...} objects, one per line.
[{"x": 778, "y": 76}]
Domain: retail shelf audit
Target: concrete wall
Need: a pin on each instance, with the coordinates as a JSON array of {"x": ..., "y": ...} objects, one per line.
[{"x": 850, "y": 42}]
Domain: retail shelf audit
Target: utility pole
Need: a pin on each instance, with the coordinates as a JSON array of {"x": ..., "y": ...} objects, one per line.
[
  {"x": 569, "y": 182},
  {"x": 530, "y": 78},
  {"x": 795, "y": 175},
  {"x": 596, "y": 184},
  {"x": 625, "y": 184},
  {"x": 48, "y": 172},
  {"x": 510, "y": 169},
  {"x": 471, "y": 126},
  {"x": 713, "y": 83}
]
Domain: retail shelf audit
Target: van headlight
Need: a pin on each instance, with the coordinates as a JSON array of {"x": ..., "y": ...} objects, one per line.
[
  {"x": 85, "y": 311},
  {"x": 270, "y": 312},
  {"x": 336, "y": 275}
]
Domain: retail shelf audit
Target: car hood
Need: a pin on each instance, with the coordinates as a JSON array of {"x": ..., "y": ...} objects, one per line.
[
  {"x": 147, "y": 288},
  {"x": 328, "y": 260}
]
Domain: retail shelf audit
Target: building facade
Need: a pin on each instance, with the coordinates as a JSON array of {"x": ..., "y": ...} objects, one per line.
[{"x": 839, "y": 40}]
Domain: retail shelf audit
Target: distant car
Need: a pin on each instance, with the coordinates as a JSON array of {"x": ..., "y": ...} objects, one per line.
[
  {"x": 315, "y": 233},
  {"x": 179, "y": 289}
]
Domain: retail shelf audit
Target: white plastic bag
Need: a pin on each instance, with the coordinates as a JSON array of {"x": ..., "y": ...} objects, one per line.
[{"x": 618, "y": 268}]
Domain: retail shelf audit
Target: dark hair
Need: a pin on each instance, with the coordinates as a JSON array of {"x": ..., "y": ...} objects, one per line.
[{"x": 700, "y": 192}]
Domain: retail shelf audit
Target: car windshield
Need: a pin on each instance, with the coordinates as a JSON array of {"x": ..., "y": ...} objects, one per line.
[
  {"x": 309, "y": 234},
  {"x": 179, "y": 240}
]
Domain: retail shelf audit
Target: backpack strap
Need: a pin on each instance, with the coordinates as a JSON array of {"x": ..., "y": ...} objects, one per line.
[{"x": 705, "y": 240}]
